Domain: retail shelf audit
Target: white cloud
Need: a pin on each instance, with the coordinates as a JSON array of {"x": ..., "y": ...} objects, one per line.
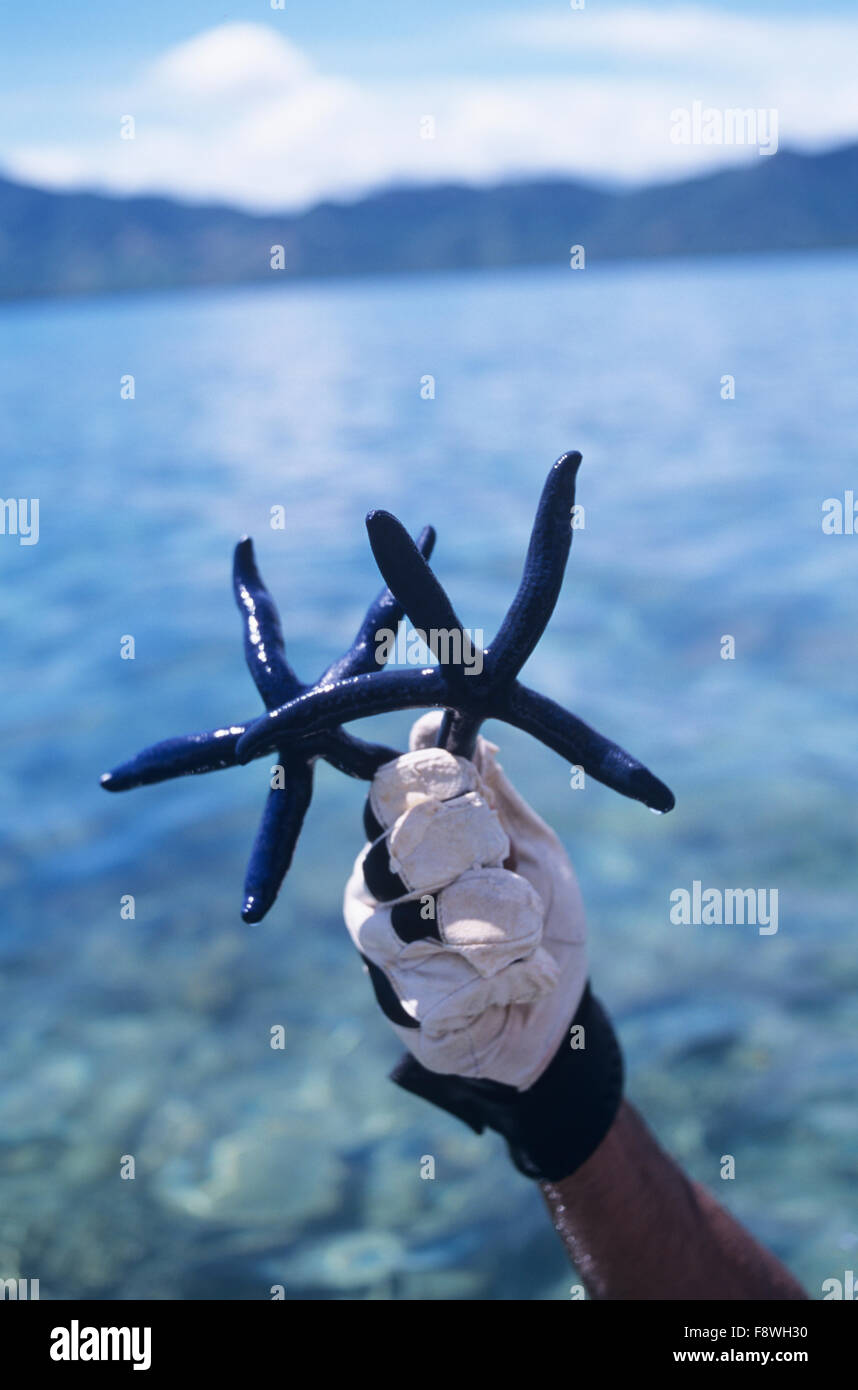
[
  {"x": 240, "y": 114},
  {"x": 232, "y": 61},
  {"x": 237, "y": 113},
  {"x": 692, "y": 38}
]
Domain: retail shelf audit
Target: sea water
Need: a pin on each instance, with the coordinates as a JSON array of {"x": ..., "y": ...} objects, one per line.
[{"x": 147, "y": 1037}]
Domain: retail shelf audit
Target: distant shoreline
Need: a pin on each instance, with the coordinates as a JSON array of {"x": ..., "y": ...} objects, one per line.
[{"x": 68, "y": 245}]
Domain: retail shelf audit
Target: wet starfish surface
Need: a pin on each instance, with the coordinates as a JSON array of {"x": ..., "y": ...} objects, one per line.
[
  {"x": 454, "y": 685},
  {"x": 304, "y": 722},
  {"x": 277, "y": 683}
]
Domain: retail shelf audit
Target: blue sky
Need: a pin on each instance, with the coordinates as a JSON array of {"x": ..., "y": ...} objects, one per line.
[{"x": 240, "y": 102}]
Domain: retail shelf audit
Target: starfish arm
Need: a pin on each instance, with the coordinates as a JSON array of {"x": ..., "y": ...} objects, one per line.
[
  {"x": 352, "y": 755},
  {"x": 276, "y": 838},
  {"x": 544, "y": 566},
  {"x": 178, "y": 757},
  {"x": 422, "y": 597},
  {"x": 385, "y": 613},
  {"x": 580, "y": 745},
  {"x": 458, "y": 732},
  {"x": 358, "y": 697},
  {"x": 264, "y": 648}
]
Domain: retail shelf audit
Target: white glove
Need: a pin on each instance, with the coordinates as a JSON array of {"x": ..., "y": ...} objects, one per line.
[{"x": 496, "y": 993}]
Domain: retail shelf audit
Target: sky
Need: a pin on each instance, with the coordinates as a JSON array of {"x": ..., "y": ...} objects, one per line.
[{"x": 270, "y": 108}]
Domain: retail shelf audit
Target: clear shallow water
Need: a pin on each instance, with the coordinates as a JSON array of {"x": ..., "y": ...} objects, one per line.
[{"x": 150, "y": 1037}]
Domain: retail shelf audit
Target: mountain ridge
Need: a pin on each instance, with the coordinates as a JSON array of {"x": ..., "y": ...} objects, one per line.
[{"x": 62, "y": 243}]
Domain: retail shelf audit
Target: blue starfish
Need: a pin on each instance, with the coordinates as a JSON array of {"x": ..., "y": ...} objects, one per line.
[
  {"x": 454, "y": 685},
  {"x": 277, "y": 683}
]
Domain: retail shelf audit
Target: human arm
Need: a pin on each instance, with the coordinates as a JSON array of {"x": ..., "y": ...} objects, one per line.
[{"x": 468, "y": 914}]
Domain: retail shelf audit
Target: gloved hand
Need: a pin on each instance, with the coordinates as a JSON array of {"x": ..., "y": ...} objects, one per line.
[{"x": 468, "y": 915}]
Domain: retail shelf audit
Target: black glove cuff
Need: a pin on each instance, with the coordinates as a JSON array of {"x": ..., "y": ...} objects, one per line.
[{"x": 555, "y": 1125}]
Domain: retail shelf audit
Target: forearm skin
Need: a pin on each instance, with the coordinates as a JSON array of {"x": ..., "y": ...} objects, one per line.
[{"x": 636, "y": 1228}]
